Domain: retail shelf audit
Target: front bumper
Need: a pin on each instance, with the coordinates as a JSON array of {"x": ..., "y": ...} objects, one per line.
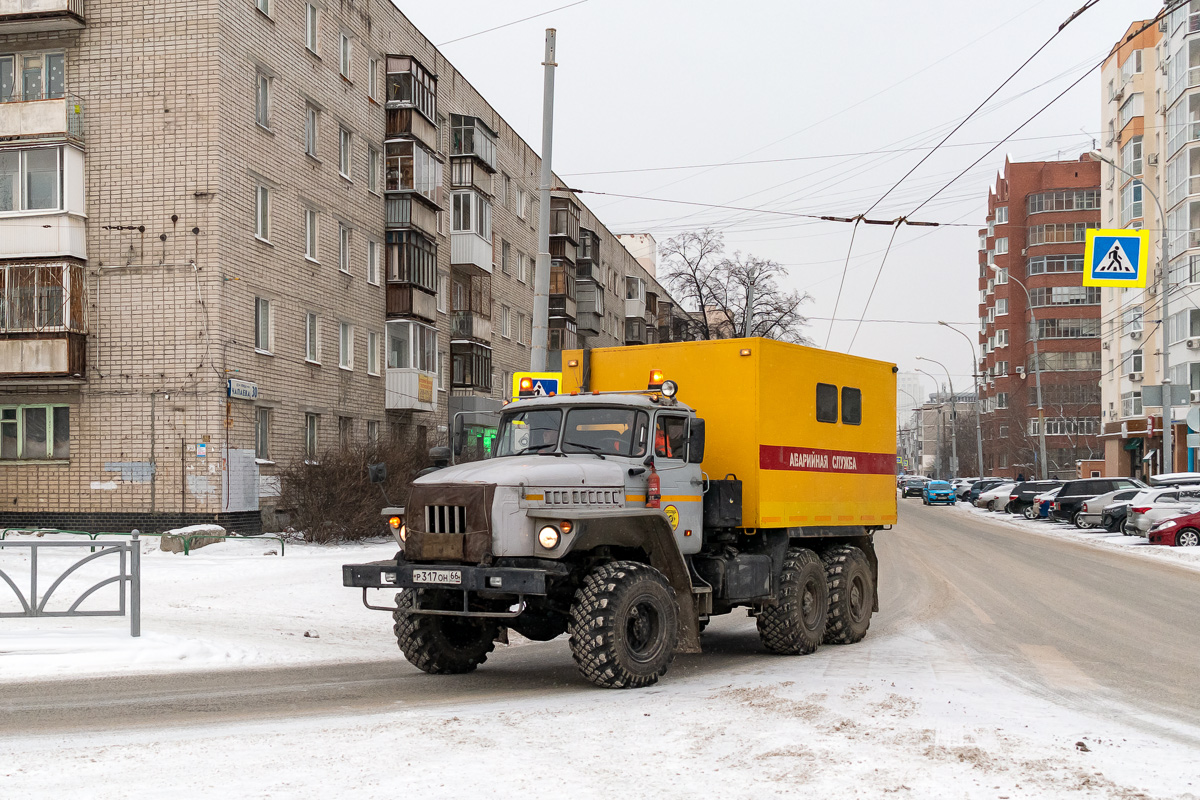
[{"x": 399, "y": 575}]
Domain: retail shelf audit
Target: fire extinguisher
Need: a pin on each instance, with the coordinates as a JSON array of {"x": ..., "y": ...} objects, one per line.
[{"x": 653, "y": 490}]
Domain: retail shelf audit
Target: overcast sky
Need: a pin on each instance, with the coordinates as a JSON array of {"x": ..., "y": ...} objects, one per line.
[{"x": 648, "y": 84}]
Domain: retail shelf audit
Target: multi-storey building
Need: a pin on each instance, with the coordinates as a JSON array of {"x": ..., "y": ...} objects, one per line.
[
  {"x": 1038, "y": 216},
  {"x": 1131, "y": 115},
  {"x": 238, "y": 232},
  {"x": 908, "y": 394}
]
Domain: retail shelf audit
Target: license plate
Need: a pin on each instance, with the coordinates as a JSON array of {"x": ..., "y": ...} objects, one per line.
[{"x": 452, "y": 576}]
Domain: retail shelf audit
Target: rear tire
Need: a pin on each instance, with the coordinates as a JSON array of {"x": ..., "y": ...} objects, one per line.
[
  {"x": 851, "y": 594},
  {"x": 1077, "y": 521},
  {"x": 796, "y": 625},
  {"x": 1030, "y": 512},
  {"x": 1188, "y": 537},
  {"x": 1126, "y": 528},
  {"x": 624, "y": 626},
  {"x": 442, "y": 645}
]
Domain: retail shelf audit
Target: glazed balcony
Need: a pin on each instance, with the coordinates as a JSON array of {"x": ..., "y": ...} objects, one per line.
[
  {"x": 404, "y": 211},
  {"x": 408, "y": 390}
]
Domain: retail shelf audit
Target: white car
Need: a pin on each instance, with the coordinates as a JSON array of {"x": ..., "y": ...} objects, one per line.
[
  {"x": 996, "y": 498},
  {"x": 1152, "y": 506}
]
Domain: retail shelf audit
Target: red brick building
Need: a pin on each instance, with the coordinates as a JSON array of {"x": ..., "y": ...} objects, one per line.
[{"x": 1038, "y": 215}]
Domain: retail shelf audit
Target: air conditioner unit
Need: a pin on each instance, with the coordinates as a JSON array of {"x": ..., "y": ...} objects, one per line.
[
  {"x": 1135, "y": 335},
  {"x": 1195, "y": 395},
  {"x": 1135, "y": 376},
  {"x": 1021, "y": 371},
  {"x": 1105, "y": 345},
  {"x": 1193, "y": 343},
  {"x": 1120, "y": 93},
  {"x": 1152, "y": 159}
]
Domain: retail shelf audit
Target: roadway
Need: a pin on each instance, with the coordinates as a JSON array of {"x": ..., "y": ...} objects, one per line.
[{"x": 1089, "y": 628}]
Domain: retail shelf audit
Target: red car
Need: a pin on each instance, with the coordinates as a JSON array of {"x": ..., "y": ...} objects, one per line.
[{"x": 1181, "y": 531}]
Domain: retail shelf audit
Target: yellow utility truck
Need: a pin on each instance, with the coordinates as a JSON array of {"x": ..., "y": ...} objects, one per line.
[{"x": 661, "y": 486}]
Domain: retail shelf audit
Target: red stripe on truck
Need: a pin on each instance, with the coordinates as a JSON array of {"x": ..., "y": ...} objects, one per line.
[{"x": 809, "y": 459}]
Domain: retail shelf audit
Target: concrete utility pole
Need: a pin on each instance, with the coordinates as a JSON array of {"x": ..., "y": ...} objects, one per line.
[
  {"x": 978, "y": 410},
  {"x": 1044, "y": 467},
  {"x": 1167, "y": 464},
  {"x": 539, "y": 347},
  {"x": 953, "y": 418},
  {"x": 746, "y": 328}
]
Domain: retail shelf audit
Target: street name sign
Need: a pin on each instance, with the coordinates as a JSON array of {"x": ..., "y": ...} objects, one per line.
[{"x": 1116, "y": 258}]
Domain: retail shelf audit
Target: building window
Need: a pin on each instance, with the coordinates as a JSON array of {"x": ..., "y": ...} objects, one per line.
[
  {"x": 1060, "y": 233},
  {"x": 443, "y": 293},
  {"x": 373, "y": 263},
  {"x": 311, "y": 120},
  {"x": 42, "y": 76},
  {"x": 505, "y": 257},
  {"x": 411, "y": 168},
  {"x": 1001, "y": 245},
  {"x": 312, "y": 338},
  {"x": 1133, "y": 107},
  {"x": 472, "y": 214},
  {"x": 312, "y": 430},
  {"x": 345, "y": 345},
  {"x": 262, "y": 213},
  {"x": 1001, "y": 215},
  {"x": 520, "y": 202},
  {"x": 505, "y": 325},
  {"x": 1001, "y": 306},
  {"x": 372, "y": 353},
  {"x": 310, "y": 27},
  {"x": 262, "y": 101},
  {"x": 310, "y": 234},
  {"x": 1003, "y": 431},
  {"x": 410, "y": 84},
  {"x": 1135, "y": 362},
  {"x": 1131, "y": 202},
  {"x": 1043, "y": 264},
  {"x": 1068, "y": 200},
  {"x": 35, "y": 433},
  {"x": 372, "y": 170},
  {"x": 1131, "y": 404},
  {"x": 1131, "y": 156},
  {"x": 412, "y": 258},
  {"x": 345, "y": 56},
  {"x": 411, "y": 345},
  {"x": 1001, "y": 337},
  {"x": 31, "y": 179},
  {"x": 262, "y": 325},
  {"x": 1001, "y": 399},
  {"x": 1064, "y": 296},
  {"x": 1001, "y": 276},
  {"x": 37, "y": 298},
  {"x": 345, "y": 152},
  {"x": 1065, "y": 329},
  {"x": 344, "y": 249},
  {"x": 372, "y": 432},
  {"x": 262, "y": 433},
  {"x": 373, "y": 79},
  {"x": 520, "y": 329}
]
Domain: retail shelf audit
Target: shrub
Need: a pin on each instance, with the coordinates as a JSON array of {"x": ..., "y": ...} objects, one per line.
[{"x": 332, "y": 500}]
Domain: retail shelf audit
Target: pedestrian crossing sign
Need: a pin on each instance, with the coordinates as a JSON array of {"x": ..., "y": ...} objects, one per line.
[
  {"x": 1116, "y": 258},
  {"x": 536, "y": 384}
]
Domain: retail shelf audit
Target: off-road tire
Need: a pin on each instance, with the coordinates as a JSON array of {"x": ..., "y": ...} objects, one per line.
[
  {"x": 795, "y": 626},
  {"x": 851, "y": 594},
  {"x": 624, "y": 625},
  {"x": 442, "y": 645},
  {"x": 1188, "y": 537}
]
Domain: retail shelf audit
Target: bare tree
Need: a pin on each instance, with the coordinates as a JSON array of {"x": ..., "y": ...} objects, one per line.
[{"x": 715, "y": 288}]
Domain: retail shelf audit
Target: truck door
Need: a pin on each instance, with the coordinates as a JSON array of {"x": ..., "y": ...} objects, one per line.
[{"x": 682, "y": 500}]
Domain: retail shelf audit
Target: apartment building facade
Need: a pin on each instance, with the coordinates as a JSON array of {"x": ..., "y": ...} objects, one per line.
[
  {"x": 239, "y": 232},
  {"x": 1030, "y": 286}
]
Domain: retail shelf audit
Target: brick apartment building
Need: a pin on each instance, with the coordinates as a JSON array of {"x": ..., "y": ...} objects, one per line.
[
  {"x": 238, "y": 232},
  {"x": 1038, "y": 214}
]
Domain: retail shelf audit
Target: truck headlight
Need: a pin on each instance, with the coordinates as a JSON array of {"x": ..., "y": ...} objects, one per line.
[
  {"x": 548, "y": 537},
  {"x": 399, "y": 530}
]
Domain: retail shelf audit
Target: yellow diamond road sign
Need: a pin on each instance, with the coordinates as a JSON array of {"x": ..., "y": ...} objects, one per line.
[{"x": 1116, "y": 258}]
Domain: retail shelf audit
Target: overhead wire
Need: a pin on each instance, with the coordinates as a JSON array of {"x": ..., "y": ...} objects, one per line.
[{"x": 514, "y": 22}]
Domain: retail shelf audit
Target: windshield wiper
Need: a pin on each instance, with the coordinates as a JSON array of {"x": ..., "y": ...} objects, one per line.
[
  {"x": 591, "y": 448},
  {"x": 534, "y": 448}
]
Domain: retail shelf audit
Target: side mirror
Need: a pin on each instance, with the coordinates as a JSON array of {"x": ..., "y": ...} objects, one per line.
[
  {"x": 377, "y": 473},
  {"x": 696, "y": 442}
]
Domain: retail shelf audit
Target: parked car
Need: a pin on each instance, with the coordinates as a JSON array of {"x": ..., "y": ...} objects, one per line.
[
  {"x": 1152, "y": 506},
  {"x": 1044, "y": 501},
  {"x": 1069, "y": 502},
  {"x": 938, "y": 492},
  {"x": 995, "y": 498},
  {"x": 913, "y": 486},
  {"x": 1181, "y": 531},
  {"x": 1174, "y": 479},
  {"x": 1020, "y": 499},
  {"x": 1103, "y": 509},
  {"x": 982, "y": 485}
]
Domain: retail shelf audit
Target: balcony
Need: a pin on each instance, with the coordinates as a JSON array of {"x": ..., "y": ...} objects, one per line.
[
  {"x": 470, "y": 325},
  {"x": 562, "y": 335},
  {"x": 408, "y": 390},
  {"x": 564, "y": 219},
  {"x": 562, "y": 250},
  {"x": 43, "y": 118},
  {"x": 635, "y": 308},
  {"x": 40, "y": 16},
  {"x": 406, "y": 300},
  {"x": 469, "y": 136},
  {"x": 405, "y": 212},
  {"x": 635, "y": 330},
  {"x": 55, "y": 354},
  {"x": 589, "y": 323},
  {"x": 409, "y": 123},
  {"x": 471, "y": 366},
  {"x": 471, "y": 249}
]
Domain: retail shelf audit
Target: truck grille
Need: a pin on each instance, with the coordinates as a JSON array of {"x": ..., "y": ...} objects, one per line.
[
  {"x": 585, "y": 497},
  {"x": 446, "y": 519}
]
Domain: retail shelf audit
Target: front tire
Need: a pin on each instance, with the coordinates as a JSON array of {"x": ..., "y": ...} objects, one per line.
[
  {"x": 1188, "y": 537},
  {"x": 851, "y": 594},
  {"x": 796, "y": 625},
  {"x": 442, "y": 645},
  {"x": 624, "y": 626}
]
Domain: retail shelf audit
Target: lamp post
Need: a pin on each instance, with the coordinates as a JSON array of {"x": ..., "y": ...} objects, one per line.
[
  {"x": 953, "y": 418},
  {"x": 1037, "y": 373},
  {"x": 978, "y": 410},
  {"x": 1168, "y": 462},
  {"x": 940, "y": 416}
]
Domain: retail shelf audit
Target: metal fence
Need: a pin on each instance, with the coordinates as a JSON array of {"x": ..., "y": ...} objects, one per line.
[{"x": 128, "y": 577}]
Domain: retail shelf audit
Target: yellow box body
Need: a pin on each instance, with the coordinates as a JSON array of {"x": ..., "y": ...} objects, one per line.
[{"x": 758, "y": 398}]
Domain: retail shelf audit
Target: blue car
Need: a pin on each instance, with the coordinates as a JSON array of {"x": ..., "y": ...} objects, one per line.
[{"x": 938, "y": 492}]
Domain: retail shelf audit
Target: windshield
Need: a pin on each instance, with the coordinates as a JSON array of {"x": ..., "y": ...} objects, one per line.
[
  {"x": 532, "y": 431},
  {"x": 607, "y": 431}
]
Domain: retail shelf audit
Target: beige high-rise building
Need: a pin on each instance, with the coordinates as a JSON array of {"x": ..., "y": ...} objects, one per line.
[{"x": 238, "y": 232}]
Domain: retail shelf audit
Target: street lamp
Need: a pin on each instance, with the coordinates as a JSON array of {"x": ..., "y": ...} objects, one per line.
[
  {"x": 953, "y": 456},
  {"x": 978, "y": 409},
  {"x": 1037, "y": 372},
  {"x": 953, "y": 419},
  {"x": 1168, "y": 462}
]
